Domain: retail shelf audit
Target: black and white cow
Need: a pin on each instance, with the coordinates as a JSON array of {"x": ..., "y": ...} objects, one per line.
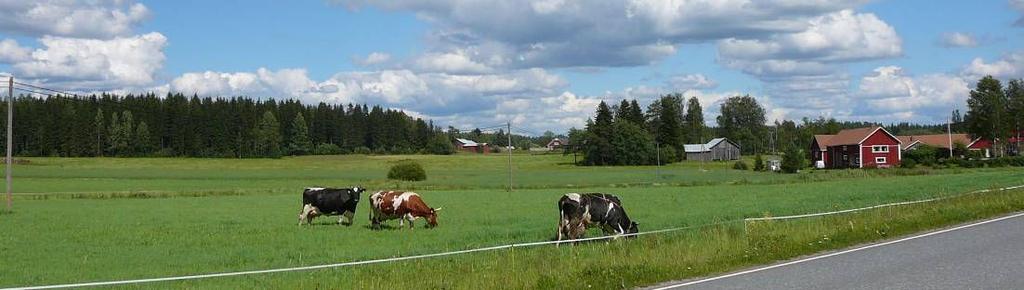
[
  {"x": 581, "y": 211},
  {"x": 317, "y": 201}
]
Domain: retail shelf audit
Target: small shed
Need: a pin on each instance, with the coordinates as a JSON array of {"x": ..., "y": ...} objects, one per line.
[
  {"x": 467, "y": 145},
  {"x": 716, "y": 149}
]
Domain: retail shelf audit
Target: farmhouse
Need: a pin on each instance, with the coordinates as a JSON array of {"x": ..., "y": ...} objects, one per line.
[
  {"x": 942, "y": 141},
  {"x": 857, "y": 148},
  {"x": 716, "y": 149},
  {"x": 467, "y": 145},
  {"x": 556, "y": 143}
]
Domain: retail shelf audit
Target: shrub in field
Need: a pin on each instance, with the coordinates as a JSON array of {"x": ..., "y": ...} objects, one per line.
[
  {"x": 758, "y": 162},
  {"x": 908, "y": 163},
  {"x": 407, "y": 170},
  {"x": 924, "y": 155},
  {"x": 669, "y": 155},
  {"x": 792, "y": 160},
  {"x": 740, "y": 165},
  {"x": 326, "y": 149},
  {"x": 361, "y": 150},
  {"x": 440, "y": 145}
]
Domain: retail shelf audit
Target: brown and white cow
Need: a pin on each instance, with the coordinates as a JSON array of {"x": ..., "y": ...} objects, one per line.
[{"x": 401, "y": 205}]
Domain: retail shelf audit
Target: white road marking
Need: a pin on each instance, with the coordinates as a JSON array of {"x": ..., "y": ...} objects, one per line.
[{"x": 839, "y": 253}]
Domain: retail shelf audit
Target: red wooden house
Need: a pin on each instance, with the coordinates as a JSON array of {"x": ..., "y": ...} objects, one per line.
[{"x": 857, "y": 148}]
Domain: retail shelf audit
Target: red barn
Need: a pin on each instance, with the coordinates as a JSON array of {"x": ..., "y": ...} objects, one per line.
[{"x": 857, "y": 148}]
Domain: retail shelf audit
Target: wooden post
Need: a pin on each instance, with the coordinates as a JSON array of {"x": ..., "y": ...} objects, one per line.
[
  {"x": 509, "y": 149},
  {"x": 10, "y": 129}
]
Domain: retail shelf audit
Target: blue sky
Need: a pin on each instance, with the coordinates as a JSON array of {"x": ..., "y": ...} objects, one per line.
[{"x": 544, "y": 64}]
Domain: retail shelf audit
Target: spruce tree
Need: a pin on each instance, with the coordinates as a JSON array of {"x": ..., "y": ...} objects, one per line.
[
  {"x": 299, "y": 143},
  {"x": 268, "y": 136},
  {"x": 143, "y": 140},
  {"x": 127, "y": 133},
  {"x": 694, "y": 122},
  {"x": 100, "y": 135}
]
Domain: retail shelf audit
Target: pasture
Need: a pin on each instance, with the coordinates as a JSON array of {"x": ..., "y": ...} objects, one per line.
[{"x": 95, "y": 219}]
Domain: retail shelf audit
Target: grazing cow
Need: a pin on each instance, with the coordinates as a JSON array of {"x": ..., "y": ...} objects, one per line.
[
  {"x": 405, "y": 206},
  {"x": 581, "y": 211},
  {"x": 318, "y": 201}
]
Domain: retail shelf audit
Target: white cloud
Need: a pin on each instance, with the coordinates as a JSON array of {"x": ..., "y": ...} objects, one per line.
[
  {"x": 842, "y": 36},
  {"x": 1009, "y": 66},
  {"x": 891, "y": 94},
  {"x": 457, "y": 62},
  {"x": 80, "y": 19},
  {"x": 691, "y": 81},
  {"x": 11, "y": 52},
  {"x": 958, "y": 39},
  {"x": 556, "y": 33},
  {"x": 93, "y": 63},
  {"x": 372, "y": 59}
]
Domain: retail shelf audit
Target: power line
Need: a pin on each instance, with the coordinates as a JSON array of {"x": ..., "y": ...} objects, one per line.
[
  {"x": 45, "y": 89},
  {"x": 34, "y": 92}
]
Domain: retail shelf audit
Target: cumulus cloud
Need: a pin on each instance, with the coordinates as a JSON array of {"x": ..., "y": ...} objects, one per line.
[
  {"x": 457, "y": 62},
  {"x": 11, "y": 52},
  {"x": 842, "y": 36},
  {"x": 958, "y": 39},
  {"x": 81, "y": 19},
  {"x": 1009, "y": 66},
  {"x": 95, "y": 63},
  {"x": 555, "y": 33},
  {"x": 691, "y": 81},
  {"x": 890, "y": 93}
]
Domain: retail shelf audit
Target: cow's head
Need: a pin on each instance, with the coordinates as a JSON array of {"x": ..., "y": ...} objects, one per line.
[
  {"x": 358, "y": 189},
  {"x": 432, "y": 218},
  {"x": 633, "y": 228}
]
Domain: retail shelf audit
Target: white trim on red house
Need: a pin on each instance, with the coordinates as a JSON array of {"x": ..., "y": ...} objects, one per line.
[
  {"x": 898, "y": 142},
  {"x": 972, "y": 142}
]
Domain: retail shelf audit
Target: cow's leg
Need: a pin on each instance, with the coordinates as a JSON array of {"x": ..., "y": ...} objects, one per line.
[
  {"x": 411, "y": 219},
  {"x": 349, "y": 218}
]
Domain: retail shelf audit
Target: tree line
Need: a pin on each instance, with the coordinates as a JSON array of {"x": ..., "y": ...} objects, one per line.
[
  {"x": 625, "y": 134},
  {"x": 238, "y": 127}
]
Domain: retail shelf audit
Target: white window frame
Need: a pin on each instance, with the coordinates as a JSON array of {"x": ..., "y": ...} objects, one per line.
[
  {"x": 880, "y": 149},
  {"x": 881, "y": 160}
]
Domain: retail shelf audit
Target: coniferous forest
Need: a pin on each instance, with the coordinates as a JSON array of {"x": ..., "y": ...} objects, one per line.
[{"x": 239, "y": 127}]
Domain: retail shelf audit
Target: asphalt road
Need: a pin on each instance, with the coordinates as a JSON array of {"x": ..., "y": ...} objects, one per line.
[{"x": 983, "y": 256}]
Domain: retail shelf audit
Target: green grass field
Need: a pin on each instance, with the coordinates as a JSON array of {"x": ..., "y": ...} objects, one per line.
[{"x": 89, "y": 219}]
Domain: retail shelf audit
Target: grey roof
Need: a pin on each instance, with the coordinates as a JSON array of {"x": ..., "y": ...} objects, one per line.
[
  {"x": 466, "y": 142},
  {"x": 697, "y": 148}
]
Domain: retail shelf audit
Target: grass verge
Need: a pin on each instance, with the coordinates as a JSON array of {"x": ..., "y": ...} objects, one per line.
[{"x": 644, "y": 261}]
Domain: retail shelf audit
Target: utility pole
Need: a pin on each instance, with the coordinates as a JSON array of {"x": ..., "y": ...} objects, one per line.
[
  {"x": 509, "y": 149},
  {"x": 10, "y": 130},
  {"x": 949, "y": 133},
  {"x": 657, "y": 170}
]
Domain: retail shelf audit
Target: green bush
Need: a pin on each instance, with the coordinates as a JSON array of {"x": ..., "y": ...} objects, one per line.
[
  {"x": 908, "y": 163},
  {"x": 326, "y": 149},
  {"x": 407, "y": 170},
  {"x": 740, "y": 165},
  {"x": 669, "y": 155},
  {"x": 440, "y": 145},
  {"x": 793, "y": 160},
  {"x": 758, "y": 162},
  {"x": 361, "y": 150}
]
